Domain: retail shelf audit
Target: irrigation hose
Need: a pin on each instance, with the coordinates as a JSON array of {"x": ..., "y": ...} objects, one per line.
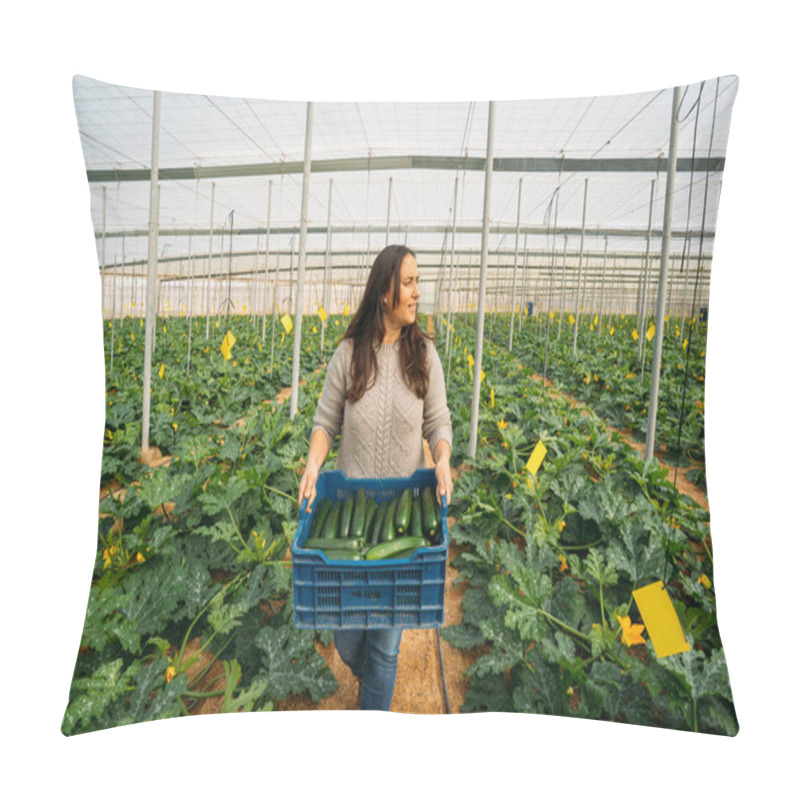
[{"x": 441, "y": 666}]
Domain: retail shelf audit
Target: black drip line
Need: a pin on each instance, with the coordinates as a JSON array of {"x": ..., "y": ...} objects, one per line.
[{"x": 696, "y": 284}]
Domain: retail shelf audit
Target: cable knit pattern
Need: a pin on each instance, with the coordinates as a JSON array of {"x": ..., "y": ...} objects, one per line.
[{"x": 382, "y": 433}]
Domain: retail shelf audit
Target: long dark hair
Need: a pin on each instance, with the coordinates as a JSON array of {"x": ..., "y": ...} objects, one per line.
[{"x": 367, "y": 329}]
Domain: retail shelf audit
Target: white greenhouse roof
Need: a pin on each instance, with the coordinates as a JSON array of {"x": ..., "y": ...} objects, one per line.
[{"x": 398, "y": 161}]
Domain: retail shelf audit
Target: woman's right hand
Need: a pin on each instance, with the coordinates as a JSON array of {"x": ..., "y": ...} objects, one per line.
[{"x": 308, "y": 485}]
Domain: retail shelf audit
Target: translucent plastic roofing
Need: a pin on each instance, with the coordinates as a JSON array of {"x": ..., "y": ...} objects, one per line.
[{"x": 398, "y": 161}]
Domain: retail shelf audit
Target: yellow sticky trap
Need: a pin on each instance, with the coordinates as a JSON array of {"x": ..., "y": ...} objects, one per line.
[
  {"x": 346, "y": 310},
  {"x": 571, "y": 320},
  {"x": 483, "y": 375},
  {"x": 286, "y": 321},
  {"x": 322, "y": 313},
  {"x": 471, "y": 361},
  {"x": 491, "y": 400},
  {"x": 552, "y": 315},
  {"x": 594, "y": 322},
  {"x": 227, "y": 343},
  {"x": 661, "y": 620},
  {"x": 611, "y": 331},
  {"x": 685, "y": 343},
  {"x": 161, "y": 370},
  {"x": 244, "y": 309},
  {"x": 537, "y": 456},
  {"x": 635, "y": 335},
  {"x": 314, "y": 329},
  {"x": 651, "y": 332}
]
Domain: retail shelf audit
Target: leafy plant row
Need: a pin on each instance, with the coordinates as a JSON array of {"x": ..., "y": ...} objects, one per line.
[{"x": 551, "y": 561}]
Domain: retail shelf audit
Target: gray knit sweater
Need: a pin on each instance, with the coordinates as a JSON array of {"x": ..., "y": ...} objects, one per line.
[{"x": 382, "y": 432}]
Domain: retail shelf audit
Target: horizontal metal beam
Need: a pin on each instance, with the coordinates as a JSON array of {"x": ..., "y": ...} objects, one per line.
[
  {"x": 454, "y": 163},
  {"x": 290, "y": 230}
]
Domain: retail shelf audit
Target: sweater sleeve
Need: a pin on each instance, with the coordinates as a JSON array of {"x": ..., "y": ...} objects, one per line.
[
  {"x": 436, "y": 423},
  {"x": 330, "y": 407}
]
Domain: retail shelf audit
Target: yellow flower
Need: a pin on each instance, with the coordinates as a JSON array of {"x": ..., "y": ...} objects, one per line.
[
  {"x": 502, "y": 424},
  {"x": 170, "y": 673},
  {"x": 631, "y": 634},
  {"x": 704, "y": 581},
  {"x": 563, "y": 567},
  {"x": 561, "y": 525},
  {"x": 140, "y": 558}
]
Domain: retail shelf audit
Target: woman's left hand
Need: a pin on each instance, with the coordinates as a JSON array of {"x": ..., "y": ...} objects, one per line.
[{"x": 444, "y": 480}]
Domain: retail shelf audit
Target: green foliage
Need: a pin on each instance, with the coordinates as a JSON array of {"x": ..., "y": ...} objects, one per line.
[{"x": 551, "y": 565}]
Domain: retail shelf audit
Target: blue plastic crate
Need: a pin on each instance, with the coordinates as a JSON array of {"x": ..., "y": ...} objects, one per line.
[{"x": 391, "y": 593}]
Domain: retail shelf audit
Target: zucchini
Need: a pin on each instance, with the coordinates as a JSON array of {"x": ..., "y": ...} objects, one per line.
[
  {"x": 369, "y": 516},
  {"x": 377, "y": 523},
  {"x": 430, "y": 517},
  {"x": 331, "y": 525},
  {"x": 323, "y": 507},
  {"x": 359, "y": 514},
  {"x": 345, "y": 517},
  {"x": 402, "y": 516},
  {"x": 387, "y": 530},
  {"x": 391, "y": 549},
  {"x": 333, "y": 545},
  {"x": 344, "y": 555},
  {"x": 415, "y": 529}
]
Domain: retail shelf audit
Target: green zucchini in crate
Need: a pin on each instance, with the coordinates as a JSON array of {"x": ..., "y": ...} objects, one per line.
[
  {"x": 359, "y": 514},
  {"x": 402, "y": 516},
  {"x": 400, "y": 585},
  {"x": 320, "y": 512},
  {"x": 346, "y": 517},
  {"x": 388, "y": 528}
]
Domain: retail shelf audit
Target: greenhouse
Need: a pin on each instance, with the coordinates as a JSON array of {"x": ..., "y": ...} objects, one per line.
[{"x": 564, "y": 253}]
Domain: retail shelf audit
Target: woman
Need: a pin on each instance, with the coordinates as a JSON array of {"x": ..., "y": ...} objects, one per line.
[{"x": 384, "y": 390}]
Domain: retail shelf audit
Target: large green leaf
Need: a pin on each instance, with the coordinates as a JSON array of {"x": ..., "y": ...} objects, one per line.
[{"x": 291, "y": 663}]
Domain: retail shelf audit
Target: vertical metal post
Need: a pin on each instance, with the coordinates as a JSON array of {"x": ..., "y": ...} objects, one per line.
[
  {"x": 580, "y": 271},
  {"x": 210, "y": 256},
  {"x": 487, "y": 197},
  {"x": 563, "y": 287},
  {"x": 152, "y": 277},
  {"x": 301, "y": 263},
  {"x": 266, "y": 264},
  {"x": 641, "y": 309},
  {"x": 661, "y": 300},
  {"x": 602, "y": 288},
  {"x": 514, "y": 274},
  {"x": 326, "y": 288},
  {"x": 450, "y": 291},
  {"x": 388, "y": 211}
]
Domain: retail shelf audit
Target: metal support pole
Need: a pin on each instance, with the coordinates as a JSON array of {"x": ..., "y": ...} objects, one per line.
[
  {"x": 388, "y": 211},
  {"x": 487, "y": 196},
  {"x": 580, "y": 270},
  {"x": 326, "y": 289},
  {"x": 266, "y": 264},
  {"x": 301, "y": 263},
  {"x": 210, "y": 256},
  {"x": 661, "y": 301},
  {"x": 602, "y": 288},
  {"x": 563, "y": 288},
  {"x": 641, "y": 309},
  {"x": 452, "y": 268},
  {"x": 514, "y": 274},
  {"x": 152, "y": 276}
]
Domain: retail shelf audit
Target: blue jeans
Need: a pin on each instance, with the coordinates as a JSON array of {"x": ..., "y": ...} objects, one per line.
[{"x": 372, "y": 656}]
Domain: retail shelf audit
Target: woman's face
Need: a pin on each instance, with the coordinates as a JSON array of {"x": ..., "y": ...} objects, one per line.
[{"x": 405, "y": 312}]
